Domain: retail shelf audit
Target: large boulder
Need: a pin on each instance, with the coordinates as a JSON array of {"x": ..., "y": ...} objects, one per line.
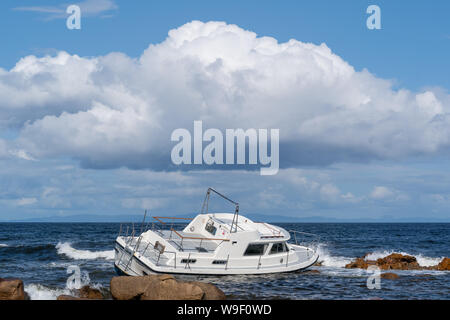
[
  {"x": 130, "y": 288},
  {"x": 444, "y": 265},
  {"x": 162, "y": 287},
  {"x": 210, "y": 290},
  {"x": 155, "y": 287},
  {"x": 167, "y": 288},
  {"x": 12, "y": 289}
]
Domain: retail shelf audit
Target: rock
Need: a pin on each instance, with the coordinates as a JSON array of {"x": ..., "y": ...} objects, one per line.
[
  {"x": 12, "y": 289},
  {"x": 129, "y": 288},
  {"x": 162, "y": 287},
  {"x": 210, "y": 290},
  {"x": 398, "y": 261},
  {"x": 90, "y": 293},
  {"x": 394, "y": 261},
  {"x": 358, "y": 263},
  {"x": 444, "y": 265},
  {"x": 170, "y": 289},
  {"x": 389, "y": 275},
  {"x": 66, "y": 297}
]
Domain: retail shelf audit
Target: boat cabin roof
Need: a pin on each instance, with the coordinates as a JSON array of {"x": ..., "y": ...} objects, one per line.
[{"x": 265, "y": 231}]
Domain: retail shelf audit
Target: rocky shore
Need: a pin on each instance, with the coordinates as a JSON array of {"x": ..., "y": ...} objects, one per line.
[
  {"x": 396, "y": 261},
  {"x": 166, "y": 287},
  {"x": 151, "y": 287}
]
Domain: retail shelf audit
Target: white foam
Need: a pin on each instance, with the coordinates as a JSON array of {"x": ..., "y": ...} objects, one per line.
[
  {"x": 66, "y": 249},
  {"x": 41, "y": 292},
  {"x": 329, "y": 260},
  {"x": 2, "y": 245},
  {"x": 422, "y": 260}
]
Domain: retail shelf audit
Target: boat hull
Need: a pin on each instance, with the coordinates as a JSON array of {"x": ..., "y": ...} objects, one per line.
[{"x": 133, "y": 264}]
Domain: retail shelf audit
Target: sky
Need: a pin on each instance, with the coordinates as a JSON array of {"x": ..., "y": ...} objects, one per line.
[{"x": 86, "y": 115}]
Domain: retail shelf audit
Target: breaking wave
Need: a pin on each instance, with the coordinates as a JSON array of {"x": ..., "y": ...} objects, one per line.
[
  {"x": 66, "y": 249},
  {"x": 328, "y": 260},
  {"x": 41, "y": 292},
  {"x": 2, "y": 245}
]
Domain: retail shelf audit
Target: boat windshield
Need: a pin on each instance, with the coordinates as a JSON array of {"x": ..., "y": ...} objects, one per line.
[{"x": 278, "y": 247}]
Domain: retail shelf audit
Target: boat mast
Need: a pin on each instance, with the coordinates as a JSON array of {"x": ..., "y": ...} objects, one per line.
[{"x": 236, "y": 210}]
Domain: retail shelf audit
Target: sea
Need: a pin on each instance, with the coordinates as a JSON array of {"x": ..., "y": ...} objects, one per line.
[{"x": 46, "y": 256}]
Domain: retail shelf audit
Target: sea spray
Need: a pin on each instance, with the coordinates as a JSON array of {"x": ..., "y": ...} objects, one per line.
[{"x": 328, "y": 260}]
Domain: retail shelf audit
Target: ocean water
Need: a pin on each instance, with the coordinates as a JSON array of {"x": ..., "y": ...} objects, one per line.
[{"x": 41, "y": 254}]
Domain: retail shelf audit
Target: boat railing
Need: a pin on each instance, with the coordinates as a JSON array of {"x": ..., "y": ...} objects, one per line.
[
  {"x": 145, "y": 249},
  {"x": 190, "y": 242},
  {"x": 305, "y": 239}
]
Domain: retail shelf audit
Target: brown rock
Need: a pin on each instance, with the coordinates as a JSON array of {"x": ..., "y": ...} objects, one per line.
[
  {"x": 170, "y": 289},
  {"x": 394, "y": 261},
  {"x": 90, "y": 293},
  {"x": 130, "y": 288},
  {"x": 389, "y": 275},
  {"x": 162, "y": 287},
  {"x": 210, "y": 290},
  {"x": 444, "y": 265},
  {"x": 358, "y": 263},
  {"x": 398, "y": 261},
  {"x": 12, "y": 289}
]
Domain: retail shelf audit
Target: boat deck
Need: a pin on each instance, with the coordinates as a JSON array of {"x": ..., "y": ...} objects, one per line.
[{"x": 188, "y": 242}]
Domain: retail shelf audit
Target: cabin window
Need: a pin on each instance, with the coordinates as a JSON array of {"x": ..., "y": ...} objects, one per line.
[
  {"x": 219, "y": 262},
  {"x": 278, "y": 248},
  {"x": 188, "y": 260},
  {"x": 255, "y": 249},
  {"x": 210, "y": 227}
]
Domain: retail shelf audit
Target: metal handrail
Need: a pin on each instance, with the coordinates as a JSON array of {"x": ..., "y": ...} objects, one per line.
[{"x": 313, "y": 243}]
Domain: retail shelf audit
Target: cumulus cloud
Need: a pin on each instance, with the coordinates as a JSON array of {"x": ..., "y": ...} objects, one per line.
[
  {"x": 114, "y": 111},
  {"x": 384, "y": 193}
]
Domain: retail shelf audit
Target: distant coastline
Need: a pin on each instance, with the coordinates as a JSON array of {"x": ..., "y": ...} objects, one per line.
[{"x": 256, "y": 217}]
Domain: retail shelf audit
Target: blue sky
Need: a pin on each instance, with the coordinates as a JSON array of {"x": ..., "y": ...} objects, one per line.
[{"x": 90, "y": 135}]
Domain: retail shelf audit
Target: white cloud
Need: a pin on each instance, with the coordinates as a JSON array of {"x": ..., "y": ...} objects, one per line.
[
  {"x": 114, "y": 111},
  {"x": 380, "y": 192},
  {"x": 25, "y": 201},
  {"x": 384, "y": 193},
  {"x": 21, "y": 154},
  {"x": 329, "y": 192}
]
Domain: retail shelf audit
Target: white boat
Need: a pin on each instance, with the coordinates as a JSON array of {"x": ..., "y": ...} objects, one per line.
[{"x": 212, "y": 244}]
